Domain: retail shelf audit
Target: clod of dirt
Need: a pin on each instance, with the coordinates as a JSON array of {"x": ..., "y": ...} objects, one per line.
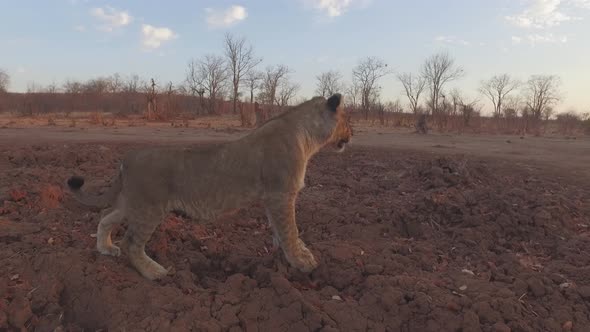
[
  {"x": 501, "y": 327},
  {"x": 471, "y": 322},
  {"x": 13, "y": 229},
  {"x": 584, "y": 292},
  {"x": 19, "y": 312},
  {"x": 536, "y": 286},
  {"x": 51, "y": 196}
]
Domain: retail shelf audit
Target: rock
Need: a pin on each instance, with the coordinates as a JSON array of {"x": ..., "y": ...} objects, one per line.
[{"x": 567, "y": 326}]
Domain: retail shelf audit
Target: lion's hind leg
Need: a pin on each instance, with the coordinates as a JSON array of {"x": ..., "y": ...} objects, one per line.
[
  {"x": 139, "y": 231},
  {"x": 104, "y": 243}
]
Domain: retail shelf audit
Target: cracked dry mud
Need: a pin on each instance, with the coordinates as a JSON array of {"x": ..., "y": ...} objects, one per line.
[{"x": 405, "y": 241}]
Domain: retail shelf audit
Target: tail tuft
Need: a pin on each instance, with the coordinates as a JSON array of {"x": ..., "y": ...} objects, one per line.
[{"x": 75, "y": 182}]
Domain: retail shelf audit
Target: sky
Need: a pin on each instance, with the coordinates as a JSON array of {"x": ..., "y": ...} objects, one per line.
[{"x": 45, "y": 41}]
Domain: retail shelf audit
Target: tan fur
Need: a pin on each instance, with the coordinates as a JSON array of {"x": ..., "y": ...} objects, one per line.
[{"x": 268, "y": 165}]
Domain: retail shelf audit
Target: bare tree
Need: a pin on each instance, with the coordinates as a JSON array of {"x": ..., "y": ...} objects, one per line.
[
  {"x": 73, "y": 87},
  {"x": 438, "y": 70},
  {"x": 98, "y": 86},
  {"x": 33, "y": 87},
  {"x": 413, "y": 86},
  {"x": 328, "y": 83},
  {"x": 4, "y": 80},
  {"x": 194, "y": 79},
  {"x": 211, "y": 74},
  {"x": 366, "y": 75},
  {"x": 132, "y": 84},
  {"x": 497, "y": 88},
  {"x": 286, "y": 92},
  {"x": 541, "y": 93},
  {"x": 271, "y": 80},
  {"x": 241, "y": 61},
  {"x": 352, "y": 95},
  {"x": 115, "y": 83},
  {"x": 52, "y": 88},
  {"x": 252, "y": 82}
]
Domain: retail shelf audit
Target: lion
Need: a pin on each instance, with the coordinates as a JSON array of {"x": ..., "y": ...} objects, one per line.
[{"x": 268, "y": 165}]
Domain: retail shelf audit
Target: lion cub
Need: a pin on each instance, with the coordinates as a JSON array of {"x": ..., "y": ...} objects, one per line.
[{"x": 267, "y": 165}]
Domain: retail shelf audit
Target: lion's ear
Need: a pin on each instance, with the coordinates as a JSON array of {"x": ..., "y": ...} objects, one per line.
[{"x": 334, "y": 102}]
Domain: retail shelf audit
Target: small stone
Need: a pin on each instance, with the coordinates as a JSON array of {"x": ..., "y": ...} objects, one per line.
[
  {"x": 463, "y": 288},
  {"x": 565, "y": 285},
  {"x": 50, "y": 241},
  {"x": 468, "y": 272},
  {"x": 14, "y": 277},
  {"x": 336, "y": 297},
  {"x": 453, "y": 306},
  {"x": 567, "y": 326}
]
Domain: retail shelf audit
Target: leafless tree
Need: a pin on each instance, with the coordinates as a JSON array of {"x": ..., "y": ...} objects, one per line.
[
  {"x": 73, "y": 87},
  {"x": 438, "y": 70},
  {"x": 194, "y": 79},
  {"x": 541, "y": 93},
  {"x": 33, "y": 87},
  {"x": 329, "y": 82},
  {"x": 241, "y": 61},
  {"x": 286, "y": 92},
  {"x": 511, "y": 105},
  {"x": 52, "y": 88},
  {"x": 4, "y": 80},
  {"x": 252, "y": 82},
  {"x": 366, "y": 75},
  {"x": 413, "y": 86},
  {"x": 98, "y": 86},
  {"x": 497, "y": 88},
  {"x": 132, "y": 84},
  {"x": 115, "y": 83},
  {"x": 352, "y": 95},
  {"x": 212, "y": 75},
  {"x": 271, "y": 80}
]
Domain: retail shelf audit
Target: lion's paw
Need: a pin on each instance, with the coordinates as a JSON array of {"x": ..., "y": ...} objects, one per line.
[
  {"x": 303, "y": 260},
  {"x": 110, "y": 250}
]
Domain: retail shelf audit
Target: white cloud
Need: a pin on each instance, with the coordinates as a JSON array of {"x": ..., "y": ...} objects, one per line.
[
  {"x": 543, "y": 14},
  {"x": 516, "y": 40},
  {"x": 153, "y": 37},
  {"x": 546, "y": 39},
  {"x": 581, "y": 3},
  {"x": 334, "y": 8},
  {"x": 451, "y": 40},
  {"x": 80, "y": 28},
  {"x": 111, "y": 18},
  {"x": 225, "y": 18}
]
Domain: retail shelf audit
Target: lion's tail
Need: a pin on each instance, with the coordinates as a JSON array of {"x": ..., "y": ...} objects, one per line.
[{"x": 75, "y": 184}]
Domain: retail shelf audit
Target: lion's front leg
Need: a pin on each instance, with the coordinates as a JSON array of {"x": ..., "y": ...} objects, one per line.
[{"x": 280, "y": 210}]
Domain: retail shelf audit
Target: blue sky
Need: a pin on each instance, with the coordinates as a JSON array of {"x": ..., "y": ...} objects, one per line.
[{"x": 54, "y": 40}]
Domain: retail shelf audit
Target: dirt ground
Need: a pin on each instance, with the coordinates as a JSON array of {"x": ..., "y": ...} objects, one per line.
[{"x": 413, "y": 233}]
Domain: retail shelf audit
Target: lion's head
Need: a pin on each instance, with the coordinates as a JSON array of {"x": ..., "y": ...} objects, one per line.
[{"x": 342, "y": 131}]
